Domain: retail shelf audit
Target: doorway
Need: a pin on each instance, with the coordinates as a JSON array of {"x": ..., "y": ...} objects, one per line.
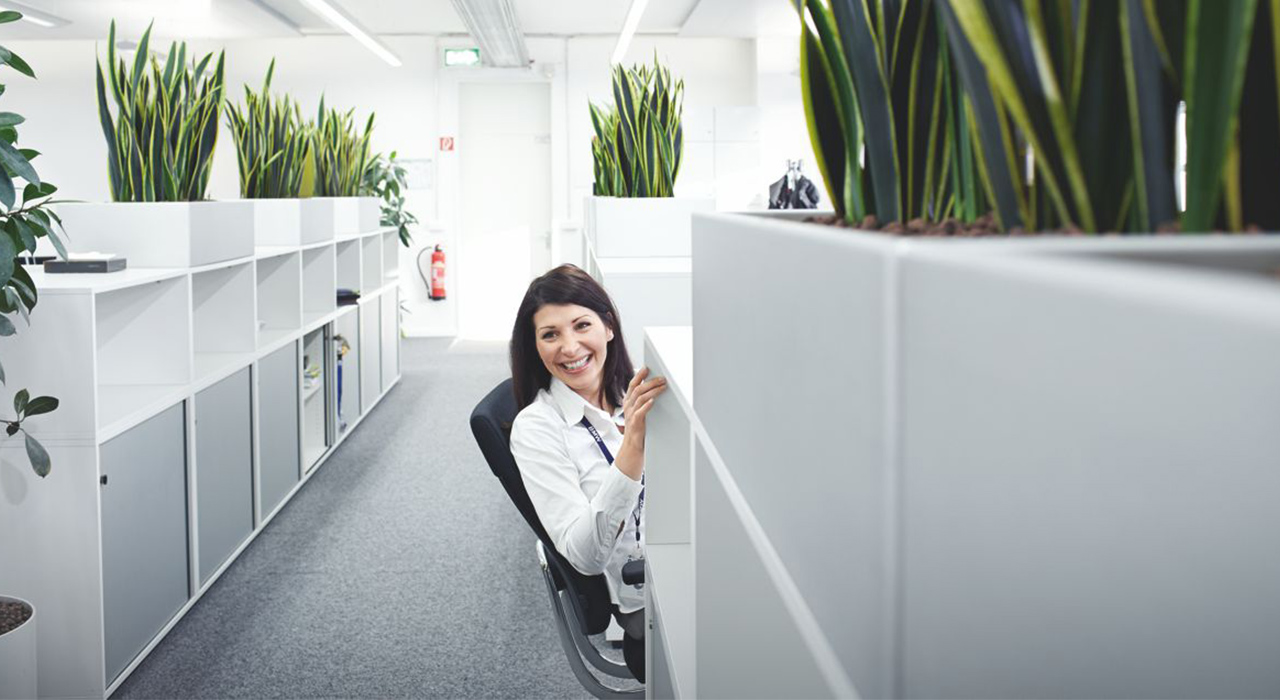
[{"x": 504, "y": 170}]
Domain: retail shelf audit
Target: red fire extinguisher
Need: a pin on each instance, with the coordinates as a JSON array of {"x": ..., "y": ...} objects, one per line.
[{"x": 437, "y": 274}]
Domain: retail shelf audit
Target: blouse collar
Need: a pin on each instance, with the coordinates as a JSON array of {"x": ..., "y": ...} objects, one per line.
[{"x": 573, "y": 407}]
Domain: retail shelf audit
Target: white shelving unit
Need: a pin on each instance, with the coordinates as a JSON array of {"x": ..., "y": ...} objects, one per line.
[{"x": 137, "y": 358}]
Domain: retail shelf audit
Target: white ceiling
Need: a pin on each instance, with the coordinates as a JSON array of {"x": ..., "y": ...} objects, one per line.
[{"x": 246, "y": 19}]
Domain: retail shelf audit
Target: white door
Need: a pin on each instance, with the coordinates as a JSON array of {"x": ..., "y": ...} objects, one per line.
[{"x": 504, "y": 154}]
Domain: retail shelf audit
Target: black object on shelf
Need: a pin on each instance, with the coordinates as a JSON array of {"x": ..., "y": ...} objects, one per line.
[
  {"x": 108, "y": 265},
  {"x": 347, "y": 297}
]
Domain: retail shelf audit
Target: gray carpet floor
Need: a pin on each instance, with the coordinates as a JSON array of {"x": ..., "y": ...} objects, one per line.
[{"x": 400, "y": 570}]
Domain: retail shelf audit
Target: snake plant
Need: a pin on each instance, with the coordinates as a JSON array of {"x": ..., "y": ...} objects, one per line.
[
  {"x": 639, "y": 142},
  {"x": 341, "y": 154},
  {"x": 933, "y": 108},
  {"x": 272, "y": 143},
  {"x": 160, "y": 141}
]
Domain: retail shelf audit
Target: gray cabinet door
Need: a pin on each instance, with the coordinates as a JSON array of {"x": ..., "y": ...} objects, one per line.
[
  {"x": 224, "y": 470},
  {"x": 278, "y": 426},
  {"x": 144, "y": 534},
  {"x": 390, "y": 338}
]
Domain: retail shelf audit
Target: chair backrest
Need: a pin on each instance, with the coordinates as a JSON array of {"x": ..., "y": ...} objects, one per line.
[{"x": 491, "y": 425}]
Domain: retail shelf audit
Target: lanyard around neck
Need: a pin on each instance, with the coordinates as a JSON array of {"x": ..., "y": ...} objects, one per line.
[
  {"x": 635, "y": 513},
  {"x": 599, "y": 441}
]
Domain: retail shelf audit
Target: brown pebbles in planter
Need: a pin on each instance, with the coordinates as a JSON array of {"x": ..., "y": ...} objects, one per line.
[{"x": 12, "y": 614}]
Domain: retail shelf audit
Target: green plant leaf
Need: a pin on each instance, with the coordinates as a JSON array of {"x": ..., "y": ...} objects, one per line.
[
  {"x": 1149, "y": 120},
  {"x": 20, "y": 402},
  {"x": 10, "y": 16},
  {"x": 17, "y": 63},
  {"x": 7, "y": 194},
  {"x": 862, "y": 50},
  {"x": 41, "y": 404},
  {"x": 7, "y": 254},
  {"x": 11, "y": 119},
  {"x": 6, "y": 327},
  {"x": 17, "y": 164},
  {"x": 1217, "y": 44},
  {"x": 38, "y": 456}
]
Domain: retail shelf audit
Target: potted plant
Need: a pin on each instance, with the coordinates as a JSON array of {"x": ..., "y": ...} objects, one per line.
[
  {"x": 24, "y": 219},
  {"x": 160, "y": 144},
  {"x": 339, "y": 200},
  {"x": 273, "y": 148},
  {"x": 385, "y": 178},
  {"x": 1053, "y": 439},
  {"x": 637, "y": 149}
]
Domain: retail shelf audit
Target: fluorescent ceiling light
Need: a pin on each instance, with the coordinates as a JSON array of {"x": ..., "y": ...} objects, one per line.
[
  {"x": 496, "y": 28},
  {"x": 35, "y": 16},
  {"x": 340, "y": 19},
  {"x": 628, "y": 29}
]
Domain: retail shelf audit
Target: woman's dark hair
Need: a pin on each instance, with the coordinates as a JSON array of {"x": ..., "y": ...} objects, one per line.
[{"x": 566, "y": 284}]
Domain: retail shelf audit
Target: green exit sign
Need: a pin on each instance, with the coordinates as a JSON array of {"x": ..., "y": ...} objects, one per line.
[{"x": 461, "y": 57}]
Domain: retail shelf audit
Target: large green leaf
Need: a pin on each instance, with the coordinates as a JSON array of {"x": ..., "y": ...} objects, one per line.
[
  {"x": 863, "y": 55},
  {"x": 998, "y": 158},
  {"x": 1217, "y": 44},
  {"x": 38, "y": 456},
  {"x": 1150, "y": 120}
]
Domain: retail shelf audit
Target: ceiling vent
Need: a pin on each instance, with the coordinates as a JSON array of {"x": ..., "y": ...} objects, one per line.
[{"x": 496, "y": 29}]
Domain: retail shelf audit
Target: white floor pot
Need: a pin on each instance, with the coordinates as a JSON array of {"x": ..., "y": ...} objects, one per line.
[
  {"x": 18, "y": 657},
  {"x": 162, "y": 234}
]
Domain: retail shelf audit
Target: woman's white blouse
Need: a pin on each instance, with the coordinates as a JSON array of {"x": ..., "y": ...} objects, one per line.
[{"x": 587, "y": 506}]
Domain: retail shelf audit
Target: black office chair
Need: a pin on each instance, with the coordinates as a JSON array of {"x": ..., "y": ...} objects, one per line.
[{"x": 579, "y": 603}]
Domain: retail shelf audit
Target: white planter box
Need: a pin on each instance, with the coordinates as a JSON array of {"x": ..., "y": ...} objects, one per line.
[
  {"x": 326, "y": 217},
  {"x": 1036, "y": 452},
  {"x": 642, "y": 227},
  {"x": 18, "y": 659},
  {"x": 277, "y": 222},
  {"x": 162, "y": 234}
]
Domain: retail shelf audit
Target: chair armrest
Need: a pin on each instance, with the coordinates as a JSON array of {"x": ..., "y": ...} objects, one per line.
[{"x": 633, "y": 572}]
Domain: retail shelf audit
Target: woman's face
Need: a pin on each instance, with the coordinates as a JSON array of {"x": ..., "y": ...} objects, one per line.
[{"x": 573, "y": 342}]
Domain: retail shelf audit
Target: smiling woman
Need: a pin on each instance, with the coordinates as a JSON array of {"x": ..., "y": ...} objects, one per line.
[{"x": 580, "y": 406}]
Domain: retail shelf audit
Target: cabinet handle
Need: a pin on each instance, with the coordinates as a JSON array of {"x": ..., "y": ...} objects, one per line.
[{"x": 103, "y": 479}]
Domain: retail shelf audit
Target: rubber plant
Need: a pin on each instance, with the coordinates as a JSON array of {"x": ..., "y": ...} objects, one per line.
[
  {"x": 272, "y": 143},
  {"x": 341, "y": 154},
  {"x": 25, "y": 218},
  {"x": 639, "y": 144},
  {"x": 386, "y": 180},
  {"x": 160, "y": 141}
]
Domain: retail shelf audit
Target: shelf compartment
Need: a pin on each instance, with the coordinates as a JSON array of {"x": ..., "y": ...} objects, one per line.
[
  {"x": 313, "y": 379},
  {"x": 390, "y": 256},
  {"x": 279, "y": 296},
  {"x": 347, "y": 370},
  {"x": 371, "y": 263},
  {"x": 222, "y": 303},
  {"x": 318, "y": 282},
  {"x": 348, "y": 264},
  {"x": 144, "y": 347}
]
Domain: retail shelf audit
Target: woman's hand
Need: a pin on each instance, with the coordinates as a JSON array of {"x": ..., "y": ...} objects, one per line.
[{"x": 635, "y": 407}]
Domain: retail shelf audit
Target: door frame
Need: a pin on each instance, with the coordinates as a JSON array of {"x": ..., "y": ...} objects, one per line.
[{"x": 449, "y": 190}]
